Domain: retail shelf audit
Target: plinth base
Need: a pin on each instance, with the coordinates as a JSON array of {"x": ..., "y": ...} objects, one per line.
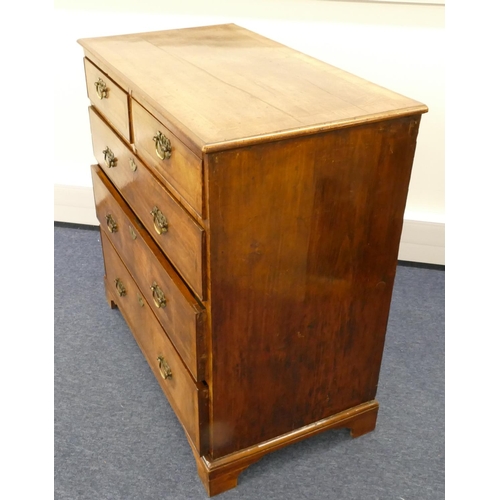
[{"x": 221, "y": 474}]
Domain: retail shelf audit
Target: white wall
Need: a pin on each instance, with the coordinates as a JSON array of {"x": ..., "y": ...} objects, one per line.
[{"x": 399, "y": 46}]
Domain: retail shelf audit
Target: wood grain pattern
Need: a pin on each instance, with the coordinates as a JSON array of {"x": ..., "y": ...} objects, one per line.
[
  {"x": 183, "y": 171},
  {"x": 183, "y": 317},
  {"x": 184, "y": 241},
  {"x": 188, "y": 399},
  {"x": 115, "y": 105},
  {"x": 217, "y": 85},
  {"x": 298, "y": 323}
]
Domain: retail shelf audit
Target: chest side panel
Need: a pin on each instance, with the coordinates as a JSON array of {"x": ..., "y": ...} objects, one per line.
[{"x": 303, "y": 250}]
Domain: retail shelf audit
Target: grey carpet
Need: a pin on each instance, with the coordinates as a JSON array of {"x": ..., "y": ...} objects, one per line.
[{"x": 117, "y": 438}]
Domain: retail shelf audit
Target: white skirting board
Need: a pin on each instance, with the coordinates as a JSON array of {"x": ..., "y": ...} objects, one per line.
[
  {"x": 74, "y": 204},
  {"x": 422, "y": 240}
]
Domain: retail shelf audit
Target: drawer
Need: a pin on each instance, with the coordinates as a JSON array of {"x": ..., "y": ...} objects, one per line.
[
  {"x": 180, "y": 314},
  {"x": 173, "y": 161},
  {"x": 108, "y": 98},
  {"x": 188, "y": 399},
  {"x": 173, "y": 229}
]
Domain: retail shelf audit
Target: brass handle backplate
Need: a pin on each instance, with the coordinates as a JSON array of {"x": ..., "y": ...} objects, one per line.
[
  {"x": 165, "y": 370},
  {"x": 120, "y": 287},
  {"x": 109, "y": 157},
  {"x": 110, "y": 222},
  {"x": 101, "y": 89},
  {"x": 159, "y": 221},
  {"x": 158, "y": 295},
  {"x": 163, "y": 146}
]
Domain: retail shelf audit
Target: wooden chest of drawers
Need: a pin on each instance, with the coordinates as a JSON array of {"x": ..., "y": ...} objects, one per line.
[{"x": 251, "y": 202}]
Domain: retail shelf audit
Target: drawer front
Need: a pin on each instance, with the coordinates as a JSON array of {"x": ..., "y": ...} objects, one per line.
[
  {"x": 182, "y": 317},
  {"x": 188, "y": 400},
  {"x": 108, "y": 98},
  {"x": 173, "y": 229},
  {"x": 180, "y": 167}
]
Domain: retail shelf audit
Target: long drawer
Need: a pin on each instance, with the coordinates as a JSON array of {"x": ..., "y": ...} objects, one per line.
[
  {"x": 180, "y": 314},
  {"x": 178, "y": 235},
  {"x": 188, "y": 399}
]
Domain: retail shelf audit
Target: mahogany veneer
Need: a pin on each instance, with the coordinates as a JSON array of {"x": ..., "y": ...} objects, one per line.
[{"x": 251, "y": 202}]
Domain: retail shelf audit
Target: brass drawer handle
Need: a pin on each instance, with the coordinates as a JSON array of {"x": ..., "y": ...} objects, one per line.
[
  {"x": 109, "y": 157},
  {"x": 159, "y": 221},
  {"x": 120, "y": 287},
  {"x": 101, "y": 89},
  {"x": 158, "y": 295},
  {"x": 163, "y": 146},
  {"x": 165, "y": 370},
  {"x": 111, "y": 223}
]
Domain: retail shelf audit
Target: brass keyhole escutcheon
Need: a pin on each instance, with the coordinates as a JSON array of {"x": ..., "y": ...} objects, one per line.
[
  {"x": 109, "y": 158},
  {"x": 163, "y": 146},
  {"x": 101, "y": 89},
  {"x": 132, "y": 232},
  {"x": 120, "y": 287},
  {"x": 132, "y": 165},
  {"x": 158, "y": 295},
  {"x": 110, "y": 222},
  {"x": 159, "y": 221},
  {"x": 165, "y": 370},
  {"x": 140, "y": 300}
]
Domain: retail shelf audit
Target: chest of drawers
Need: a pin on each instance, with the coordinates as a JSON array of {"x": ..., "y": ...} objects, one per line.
[{"x": 251, "y": 202}]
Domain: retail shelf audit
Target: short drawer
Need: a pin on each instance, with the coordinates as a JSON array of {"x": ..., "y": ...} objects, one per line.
[
  {"x": 188, "y": 399},
  {"x": 173, "y": 161},
  {"x": 180, "y": 314},
  {"x": 173, "y": 229},
  {"x": 108, "y": 98}
]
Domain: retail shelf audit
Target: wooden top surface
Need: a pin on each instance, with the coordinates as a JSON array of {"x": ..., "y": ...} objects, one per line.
[{"x": 222, "y": 86}]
